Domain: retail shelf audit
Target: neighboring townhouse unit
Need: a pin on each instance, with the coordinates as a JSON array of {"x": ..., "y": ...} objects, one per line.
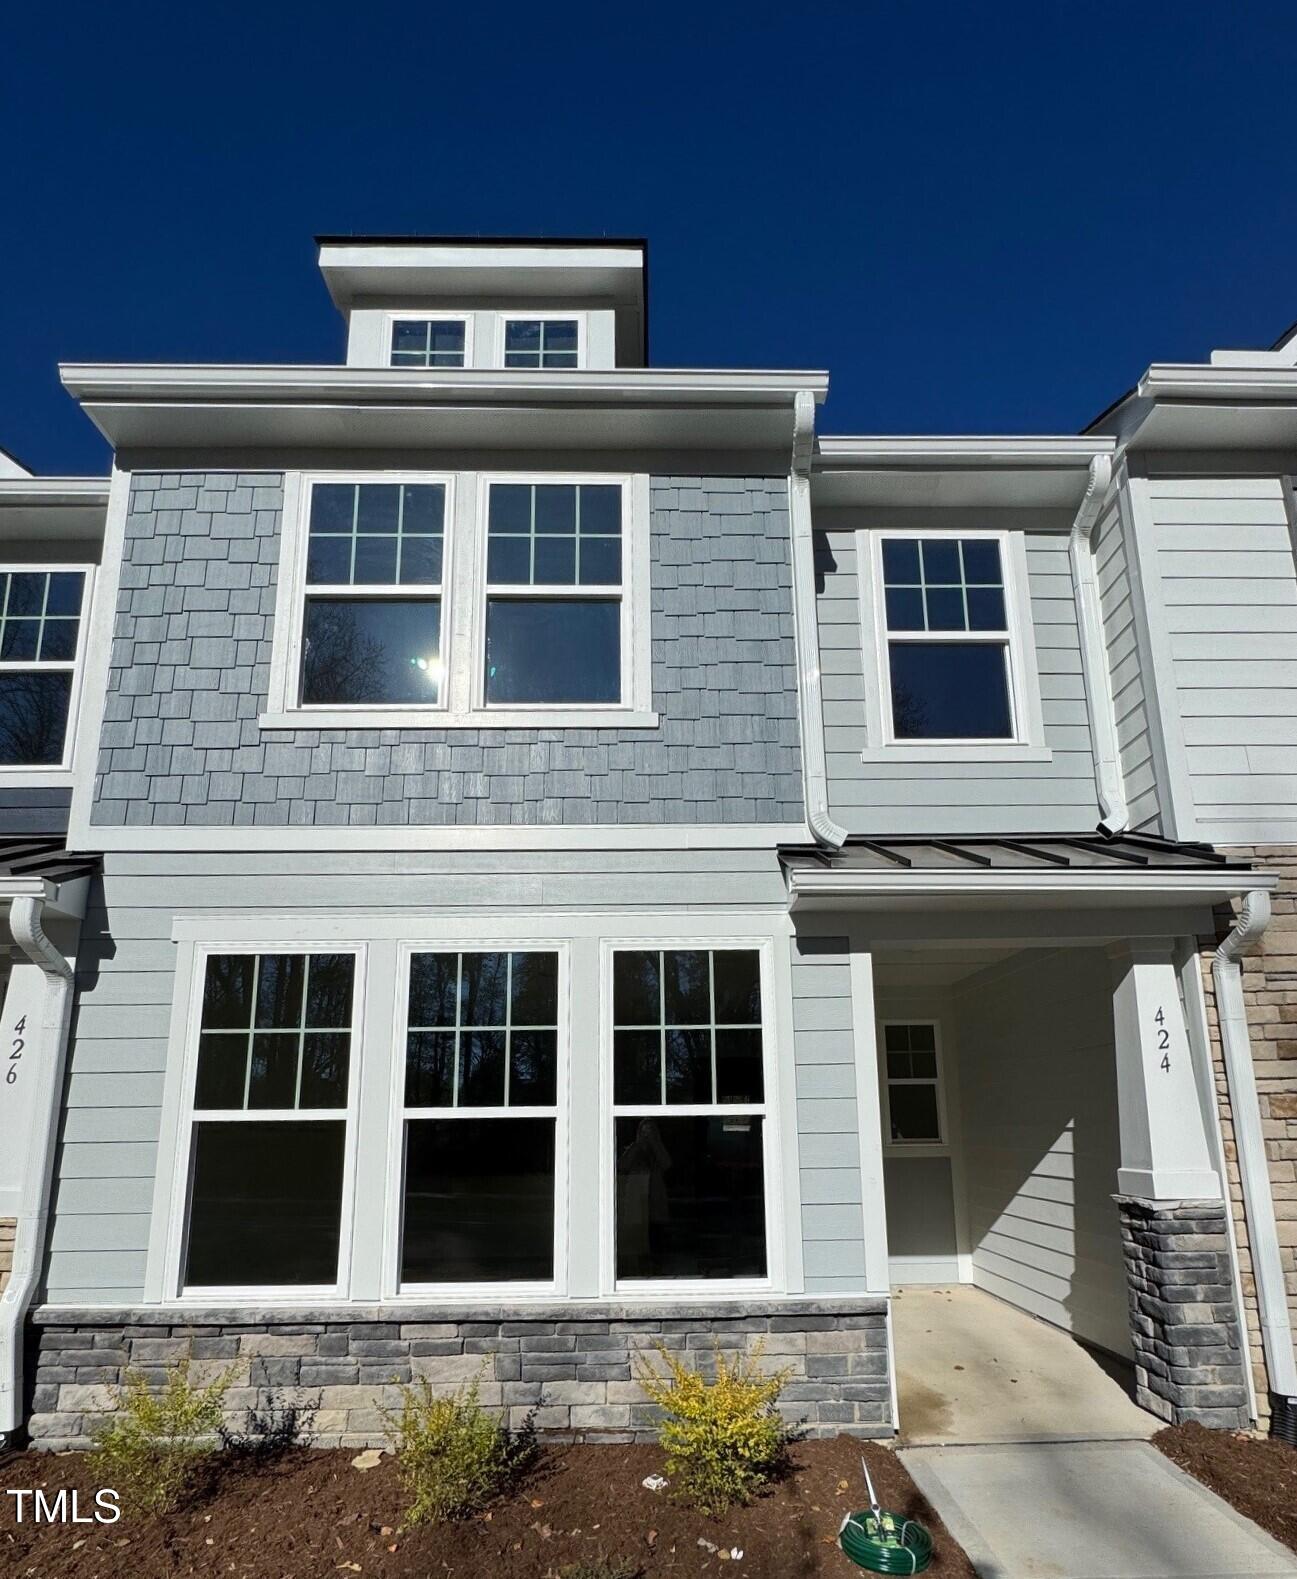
[{"x": 584, "y": 862}]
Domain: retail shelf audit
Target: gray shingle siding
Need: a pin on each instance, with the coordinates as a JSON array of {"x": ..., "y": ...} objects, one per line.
[{"x": 191, "y": 658}]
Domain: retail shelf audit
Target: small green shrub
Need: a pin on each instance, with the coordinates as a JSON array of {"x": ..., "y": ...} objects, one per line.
[
  {"x": 151, "y": 1450},
  {"x": 723, "y": 1437},
  {"x": 453, "y": 1455}
]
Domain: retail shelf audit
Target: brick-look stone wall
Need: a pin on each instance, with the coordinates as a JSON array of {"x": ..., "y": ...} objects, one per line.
[
  {"x": 1189, "y": 1353},
  {"x": 8, "y": 1232},
  {"x": 1270, "y": 993},
  {"x": 573, "y": 1365}
]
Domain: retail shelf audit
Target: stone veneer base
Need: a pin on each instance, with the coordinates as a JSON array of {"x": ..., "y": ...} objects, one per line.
[
  {"x": 1189, "y": 1354},
  {"x": 571, "y": 1364}
]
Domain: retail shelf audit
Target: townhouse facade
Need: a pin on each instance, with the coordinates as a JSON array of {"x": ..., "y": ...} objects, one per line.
[{"x": 545, "y": 854}]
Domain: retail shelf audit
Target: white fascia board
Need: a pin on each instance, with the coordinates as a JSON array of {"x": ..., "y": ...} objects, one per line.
[
  {"x": 27, "y": 888},
  {"x": 1040, "y": 889},
  {"x": 1198, "y": 381},
  {"x": 928, "y": 452},
  {"x": 35, "y": 491}
]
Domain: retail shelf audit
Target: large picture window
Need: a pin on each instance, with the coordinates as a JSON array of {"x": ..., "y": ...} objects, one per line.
[
  {"x": 480, "y": 1116},
  {"x": 40, "y": 636},
  {"x": 268, "y": 1134},
  {"x": 689, "y": 1106}
]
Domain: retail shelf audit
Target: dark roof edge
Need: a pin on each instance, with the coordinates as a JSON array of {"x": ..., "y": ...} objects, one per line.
[{"x": 362, "y": 239}]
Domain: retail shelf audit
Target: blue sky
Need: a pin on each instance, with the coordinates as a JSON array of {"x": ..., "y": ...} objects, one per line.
[{"x": 979, "y": 218}]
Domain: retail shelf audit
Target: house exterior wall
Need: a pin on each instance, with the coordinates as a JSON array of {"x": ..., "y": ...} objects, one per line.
[
  {"x": 182, "y": 745},
  {"x": 968, "y": 796}
]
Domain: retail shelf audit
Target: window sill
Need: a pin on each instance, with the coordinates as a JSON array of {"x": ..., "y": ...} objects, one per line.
[
  {"x": 972, "y": 751},
  {"x": 38, "y": 777},
  {"x": 482, "y": 718}
]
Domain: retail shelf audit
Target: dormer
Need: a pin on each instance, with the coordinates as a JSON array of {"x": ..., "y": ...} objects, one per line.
[{"x": 441, "y": 303}]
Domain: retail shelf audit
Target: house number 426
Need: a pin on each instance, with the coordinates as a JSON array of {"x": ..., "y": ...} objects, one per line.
[
  {"x": 15, "y": 1057},
  {"x": 1163, "y": 1039}
]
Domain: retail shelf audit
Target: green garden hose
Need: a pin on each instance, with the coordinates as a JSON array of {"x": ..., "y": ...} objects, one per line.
[{"x": 881, "y": 1542}]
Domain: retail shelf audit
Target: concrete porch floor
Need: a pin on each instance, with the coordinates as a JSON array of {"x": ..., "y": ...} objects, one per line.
[{"x": 971, "y": 1369}]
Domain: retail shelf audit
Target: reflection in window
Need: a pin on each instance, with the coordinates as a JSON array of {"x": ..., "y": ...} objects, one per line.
[
  {"x": 40, "y": 626},
  {"x": 428, "y": 342},
  {"x": 940, "y": 688},
  {"x": 357, "y": 650},
  {"x": 541, "y": 342}
]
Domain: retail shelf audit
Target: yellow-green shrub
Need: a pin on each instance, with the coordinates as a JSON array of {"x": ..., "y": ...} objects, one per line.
[
  {"x": 453, "y": 1455},
  {"x": 723, "y": 1436},
  {"x": 150, "y": 1450}
]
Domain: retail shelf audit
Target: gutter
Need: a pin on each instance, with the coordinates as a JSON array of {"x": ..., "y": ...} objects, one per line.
[
  {"x": 1115, "y": 814},
  {"x": 1193, "y": 381},
  {"x": 1060, "y": 889},
  {"x": 25, "y": 917},
  {"x": 1249, "y": 1140},
  {"x": 815, "y": 773}
]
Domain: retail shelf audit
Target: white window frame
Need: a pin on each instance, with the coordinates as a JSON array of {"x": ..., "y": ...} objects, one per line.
[
  {"x": 941, "y": 1145},
  {"x": 461, "y": 703},
  {"x": 542, "y": 315},
  {"x": 20, "y": 775},
  {"x": 501, "y": 942},
  {"x": 391, "y": 319},
  {"x": 192, "y": 977},
  {"x": 767, "y": 1109},
  {"x": 882, "y": 744}
]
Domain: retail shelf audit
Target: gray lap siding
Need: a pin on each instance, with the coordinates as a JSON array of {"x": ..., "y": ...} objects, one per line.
[{"x": 182, "y": 745}]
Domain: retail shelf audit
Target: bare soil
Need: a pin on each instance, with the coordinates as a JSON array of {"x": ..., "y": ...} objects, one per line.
[
  {"x": 1255, "y": 1475},
  {"x": 311, "y": 1514}
]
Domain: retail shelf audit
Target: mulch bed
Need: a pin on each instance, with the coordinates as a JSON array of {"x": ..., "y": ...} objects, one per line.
[
  {"x": 1257, "y": 1476},
  {"x": 311, "y": 1514}
]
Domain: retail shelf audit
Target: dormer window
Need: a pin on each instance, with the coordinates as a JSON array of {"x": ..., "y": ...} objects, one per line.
[
  {"x": 429, "y": 341},
  {"x": 542, "y": 342}
]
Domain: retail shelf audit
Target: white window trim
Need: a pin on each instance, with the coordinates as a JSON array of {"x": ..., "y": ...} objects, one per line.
[
  {"x": 541, "y": 315},
  {"x": 501, "y": 939},
  {"x": 768, "y": 1109},
  {"x": 463, "y": 616},
  {"x": 55, "y": 774},
  {"x": 391, "y": 319},
  {"x": 171, "y": 1194},
  {"x": 1028, "y": 743},
  {"x": 941, "y": 1147}
]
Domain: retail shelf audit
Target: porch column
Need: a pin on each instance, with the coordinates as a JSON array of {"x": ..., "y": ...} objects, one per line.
[{"x": 1185, "y": 1327}]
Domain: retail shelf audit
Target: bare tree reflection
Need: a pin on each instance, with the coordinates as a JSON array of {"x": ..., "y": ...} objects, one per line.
[
  {"x": 33, "y": 716},
  {"x": 341, "y": 661}
]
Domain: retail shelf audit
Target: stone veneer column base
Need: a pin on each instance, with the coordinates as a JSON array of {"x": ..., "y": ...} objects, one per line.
[
  {"x": 571, "y": 1364},
  {"x": 1189, "y": 1355}
]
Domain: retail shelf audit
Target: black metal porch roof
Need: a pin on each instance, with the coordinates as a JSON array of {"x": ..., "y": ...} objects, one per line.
[
  {"x": 29, "y": 855},
  {"x": 1060, "y": 853}
]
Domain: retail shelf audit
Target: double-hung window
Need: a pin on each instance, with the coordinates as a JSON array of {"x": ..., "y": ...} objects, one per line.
[
  {"x": 40, "y": 637},
  {"x": 913, "y": 1083},
  {"x": 554, "y": 593},
  {"x": 268, "y": 1133},
  {"x": 542, "y": 342},
  {"x": 479, "y": 1117},
  {"x": 371, "y": 625},
  {"x": 429, "y": 341},
  {"x": 689, "y": 1105}
]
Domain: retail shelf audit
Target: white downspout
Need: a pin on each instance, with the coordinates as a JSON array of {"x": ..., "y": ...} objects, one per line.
[
  {"x": 1115, "y": 815},
  {"x": 34, "y": 1187},
  {"x": 814, "y": 763},
  {"x": 1249, "y": 1139}
]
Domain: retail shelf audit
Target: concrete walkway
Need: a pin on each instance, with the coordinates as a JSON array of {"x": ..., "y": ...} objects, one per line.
[
  {"x": 1088, "y": 1510},
  {"x": 971, "y": 1369}
]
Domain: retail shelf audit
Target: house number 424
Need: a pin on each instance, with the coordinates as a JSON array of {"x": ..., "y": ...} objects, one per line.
[
  {"x": 1163, "y": 1039},
  {"x": 15, "y": 1057}
]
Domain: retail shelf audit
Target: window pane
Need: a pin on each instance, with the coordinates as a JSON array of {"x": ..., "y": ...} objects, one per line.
[
  {"x": 328, "y": 992},
  {"x": 522, "y": 334},
  {"x": 600, "y": 509},
  {"x": 921, "y": 1037},
  {"x": 409, "y": 335},
  {"x": 379, "y": 650},
  {"x": 555, "y": 564},
  {"x": 897, "y": 1038},
  {"x": 690, "y": 1198},
  {"x": 522, "y": 359},
  {"x": 600, "y": 562},
  {"x": 280, "y": 978},
  {"x": 687, "y": 987},
  {"x": 375, "y": 562},
  {"x": 446, "y": 338},
  {"x": 328, "y": 561},
  {"x": 560, "y": 359},
  {"x": 484, "y": 989},
  {"x": 33, "y": 717},
  {"x": 533, "y": 1068},
  {"x": 560, "y": 334},
  {"x": 923, "y": 1066},
  {"x": 689, "y": 1066},
  {"x": 479, "y": 1200},
  {"x": 325, "y": 1057},
  {"x": 508, "y": 561},
  {"x": 950, "y": 691},
  {"x": 424, "y": 507},
  {"x": 945, "y": 608},
  {"x": 555, "y": 508},
  {"x": 227, "y": 992},
  {"x": 900, "y": 561},
  {"x": 637, "y": 1067},
  {"x": 59, "y": 640},
  {"x": 913, "y": 1112},
  {"x": 636, "y": 997},
  {"x": 534, "y": 989},
  {"x": 434, "y": 985},
  {"x": 737, "y": 975},
  {"x": 904, "y": 608},
  {"x": 981, "y": 560},
  {"x": 26, "y": 594},
  {"x": 378, "y": 506},
  {"x": 430, "y": 1069},
  {"x": 553, "y": 650},
  {"x": 65, "y": 589},
  {"x": 420, "y": 561},
  {"x": 333, "y": 507},
  {"x": 510, "y": 507},
  {"x": 20, "y": 639},
  {"x": 272, "y": 1074},
  {"x": 222, "y": 1069},
  {"x": 986, "y": 609},
  {"x": 265, "y": 1204},
  {"x": 739, "y": 1076},
  {"x": 940, "y": 561},
  {"x": 481, "y": 1068}
]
